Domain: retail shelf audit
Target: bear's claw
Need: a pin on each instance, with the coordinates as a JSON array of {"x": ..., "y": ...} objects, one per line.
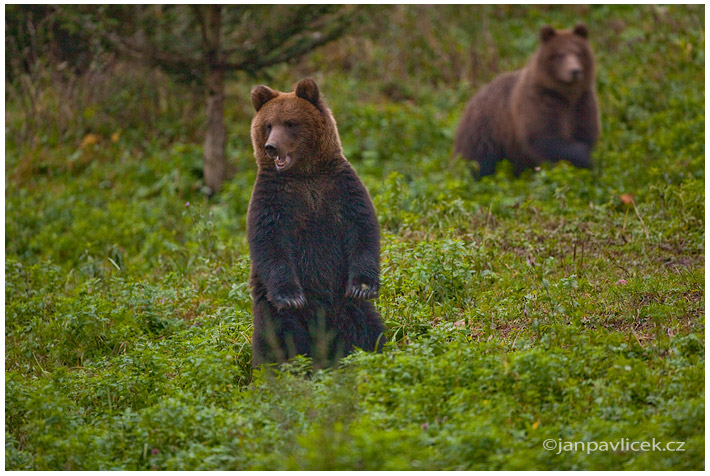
[
  {"x": 363, "y": 291},
  {"x": 294, "y": 301}
]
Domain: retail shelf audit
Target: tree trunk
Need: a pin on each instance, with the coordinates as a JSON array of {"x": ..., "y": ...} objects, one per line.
[{"x": 215, "y": 160}]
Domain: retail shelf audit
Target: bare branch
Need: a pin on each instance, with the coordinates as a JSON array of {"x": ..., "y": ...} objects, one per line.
[
  {"x": 140, "y": 49},
  {"x": 197, "y": 10},
  {"x": 307, "y": 29},
  {"x": 303, "y": 29}
]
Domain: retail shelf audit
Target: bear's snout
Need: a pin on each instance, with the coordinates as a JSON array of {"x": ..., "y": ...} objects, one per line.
[
  {"x": 278, "y": 142},
  {"x": 271, "y": 150},
  {"x": 572, "y": 69}
]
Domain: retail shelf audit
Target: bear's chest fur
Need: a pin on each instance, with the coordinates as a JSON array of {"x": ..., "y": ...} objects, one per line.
[
  {"x": 317, "y": 231},
  {"x": 313, "y": 204}
]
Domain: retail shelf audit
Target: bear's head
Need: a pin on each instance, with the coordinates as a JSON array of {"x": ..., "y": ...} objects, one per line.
[
  {"x": 293, "y": 131},
  {"x": 565, "y": 61}
]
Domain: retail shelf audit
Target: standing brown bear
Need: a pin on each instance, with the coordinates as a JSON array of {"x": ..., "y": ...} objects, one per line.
[
  {"x": 545, "y": 111},
  {"x": 313, "y": 235}
]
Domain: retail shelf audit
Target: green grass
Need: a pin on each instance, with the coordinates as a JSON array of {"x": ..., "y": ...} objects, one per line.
[{"x": 519, "y": 309}]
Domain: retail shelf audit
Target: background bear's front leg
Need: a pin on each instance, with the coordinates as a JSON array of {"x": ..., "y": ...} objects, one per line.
[
  {"x": 555, "y": 149},
  {"x": 580, "y": 155}
]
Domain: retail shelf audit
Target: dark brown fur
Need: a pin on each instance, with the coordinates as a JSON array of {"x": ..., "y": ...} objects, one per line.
[
  {"x": 546, "y": 111},
  {"x": 313, "y": 235}
]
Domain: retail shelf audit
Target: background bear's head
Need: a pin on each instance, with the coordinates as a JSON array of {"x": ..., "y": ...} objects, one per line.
[
  {"x": 293, "y": 131},
  {"x": 565, "y": 61}
]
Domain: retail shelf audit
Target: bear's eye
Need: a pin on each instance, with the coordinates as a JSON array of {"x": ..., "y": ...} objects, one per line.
[
  {"x": 290, "y": 124},
  {"x": 268, "y": 127}
]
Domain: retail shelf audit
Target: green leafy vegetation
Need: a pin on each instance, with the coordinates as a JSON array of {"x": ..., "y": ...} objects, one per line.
[{"x": 565, "y": 304}]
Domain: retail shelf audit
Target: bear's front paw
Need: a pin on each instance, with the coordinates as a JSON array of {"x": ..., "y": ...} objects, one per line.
[
  {"x": 363, "y": 288},
  {"x": 579, "y": 155},
  {"x": 288, "y": 297}
]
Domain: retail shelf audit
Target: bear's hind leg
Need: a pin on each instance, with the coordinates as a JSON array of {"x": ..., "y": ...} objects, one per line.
[
  {"x": 278, "y": 335},
  {"x": 362, "y": 326}
]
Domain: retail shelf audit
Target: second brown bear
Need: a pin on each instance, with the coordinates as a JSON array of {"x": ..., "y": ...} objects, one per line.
[{"x": 546, "y": 111}]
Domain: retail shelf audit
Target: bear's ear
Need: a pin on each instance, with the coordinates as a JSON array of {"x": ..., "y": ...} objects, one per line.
[
  {"x": 546, "y": 32},
  {"x": 308, "y": 89},
  {"x": 260, "y": 95},
  {"x": 581, "y": 30}
]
